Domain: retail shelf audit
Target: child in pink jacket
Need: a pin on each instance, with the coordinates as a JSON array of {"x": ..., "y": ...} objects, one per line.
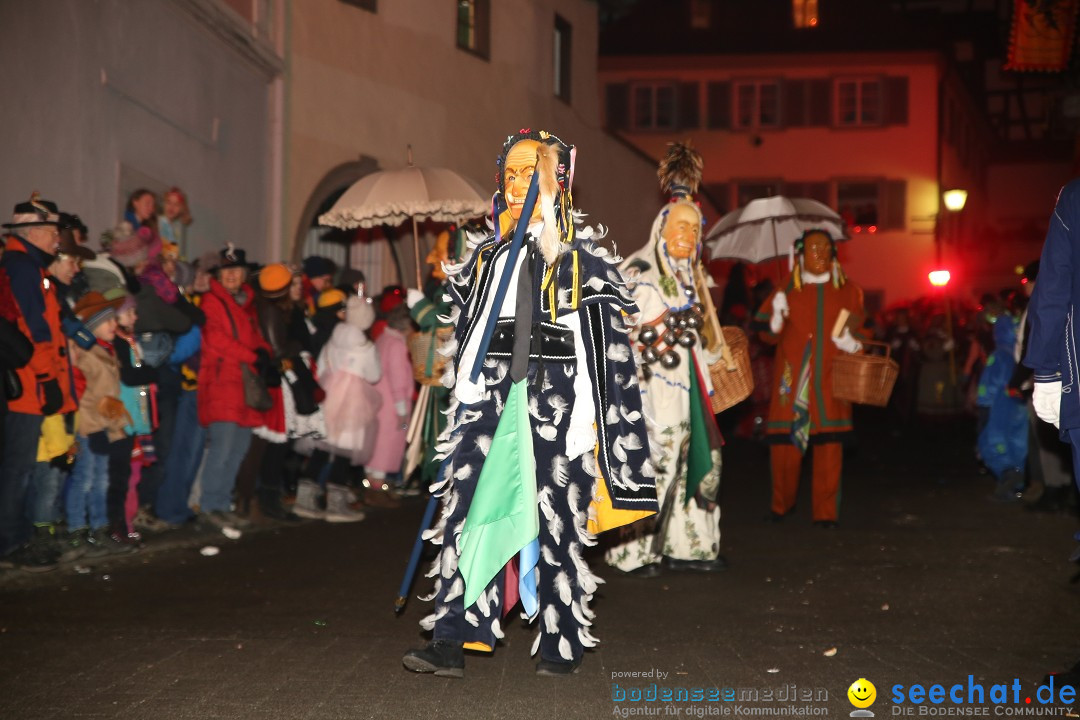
[{"x": 396, "y": 389}]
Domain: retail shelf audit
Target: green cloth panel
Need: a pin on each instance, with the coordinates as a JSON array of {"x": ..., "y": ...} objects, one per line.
[
  {"x": 699, "y": 457},
  {"x": 503, "y": 516}
]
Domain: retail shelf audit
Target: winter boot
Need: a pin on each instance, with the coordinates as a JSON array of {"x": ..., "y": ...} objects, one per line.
[
  {"x": 307, "y": 500},
  {"x": 442, "y": 657},
  {"x": 43, "y": 543},
  {"x": 337, "y": 505}
]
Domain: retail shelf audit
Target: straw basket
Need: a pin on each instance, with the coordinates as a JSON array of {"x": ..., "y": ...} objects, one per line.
[
  {"x": 422, "y": 350},
  {"x": 731, "y": 376},
  {"x": 865, "y": 379}
]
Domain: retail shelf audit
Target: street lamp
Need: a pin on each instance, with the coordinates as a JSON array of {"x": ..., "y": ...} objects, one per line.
[{"x": 955, "y": 200}]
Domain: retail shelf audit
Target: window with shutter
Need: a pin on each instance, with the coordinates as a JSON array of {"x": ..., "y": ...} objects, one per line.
[
  {"x": 896, "y": 101},
  {"x": 858, "y": 102},
  {"x": 795, "y": 103},
  {"x": 689, "y": 106},
  {"x": 719, "y": 99},
  {"x": 617, "y": 105},
  {"x": 859, "y": 204},
  {"x": 655, "y": 106},
  {"x": 757, "y": 104},
  {"x": 562, "y": 38},
  {"x": 747, "y": 190},
  {"x": 819, "y": 103},
  {"x": 895, "y": 202}
]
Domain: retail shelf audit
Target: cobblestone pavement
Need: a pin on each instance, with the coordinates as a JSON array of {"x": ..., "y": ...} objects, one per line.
[{"x": 926, "y": 581}]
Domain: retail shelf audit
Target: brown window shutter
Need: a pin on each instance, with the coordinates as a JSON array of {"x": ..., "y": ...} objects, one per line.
[
  {"x": 689, "y": 106},
  {"x": 617, "y": 105},
  {"x": 819, "y": 103},
  {"x": 794, "y": 103},
  {"x": 896, "y": 101},
  {"x": 894, "y": 216},
  {"x": 719, "y": 105}
]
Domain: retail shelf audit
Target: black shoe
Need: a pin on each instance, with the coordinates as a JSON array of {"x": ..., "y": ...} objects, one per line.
[
  {"x": 646, "y": 571},
  {"x": 31, "y": 560},
  {"x": 1053, "y": 499},
  {"x": 774, "y": 517},
  {"x": 826, "y": 524},
  {"x": 558, "y": 667},
  {"x": 717, "y": 565},
  {"x": 444, "y": 658}
]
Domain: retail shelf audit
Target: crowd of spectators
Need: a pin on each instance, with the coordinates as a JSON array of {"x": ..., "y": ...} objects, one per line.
[{"x": 146, "y": 392}]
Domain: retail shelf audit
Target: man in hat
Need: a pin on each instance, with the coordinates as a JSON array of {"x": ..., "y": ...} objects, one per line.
[
  {"x": 32, "y": 242},
  {"x": 318, "y": 277},
  {"x": 801, "y": 319},
  {"x": 546, "y": 443}
]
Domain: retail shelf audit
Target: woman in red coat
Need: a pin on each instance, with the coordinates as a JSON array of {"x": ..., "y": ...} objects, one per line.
[{"x": 231, "y": 339}]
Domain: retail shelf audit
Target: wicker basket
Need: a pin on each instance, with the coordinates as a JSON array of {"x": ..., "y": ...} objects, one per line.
[
  {"x": 865, "y": 379},
  {"x": 423, "y": 352},
  {"x": 732, "y": 382}
]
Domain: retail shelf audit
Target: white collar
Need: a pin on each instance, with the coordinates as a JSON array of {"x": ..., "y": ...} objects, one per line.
[{"x": 815, "y": 279}]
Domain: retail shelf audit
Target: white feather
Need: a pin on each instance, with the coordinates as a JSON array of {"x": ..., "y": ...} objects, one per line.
[
  {"x": 612, "y": 417},
  {"x": 573, "y": 501},
  {"x": 456, "y": 589},
  {"x": 578, "y": 615},
  {"x": 534, "y": 409},
  {"x": 564, "y": 649},
  {"x": 618, "y": 353},
  {"x": 483, "y": 444},
  {"x": 549, "y": 557},
  {"x": 543, "y": 499},
  {"x": 595, "y": 283},
  {"x": 449, "y": 562},
  {"x": 562, "y": 586},
  {"x": 589, "y": 465},
  {"x": 535, "y": 645},
  {"x": 629, "y": 415},
  {"x": 496, "y": 629},
  {"x": 551, "y": 619},
  {"x": 617, "y": 449},
  {"x": 435, "y": 591},
  {"x": 647, "y": 469},
  {"x": 555, "y": 527},
  {"x": 585, "y": 638},
  {"x": 585, "y": 537},
  {"x": 560, "y": 470},
  {"x": 472, "y": 619},
  {"x": 627, "y": 478},
  {"x": 631, "y": 442},
  {"x": 547, "y": 432},
  {"x": 463, "y": 473},
  {"x": 559, "y": 406},
  {"x": 586, "y": 580}
]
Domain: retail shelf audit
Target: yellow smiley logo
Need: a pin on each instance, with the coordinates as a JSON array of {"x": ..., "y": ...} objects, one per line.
[{"x": 862, "y": 693}]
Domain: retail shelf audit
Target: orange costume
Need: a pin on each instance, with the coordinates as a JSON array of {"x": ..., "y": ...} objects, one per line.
[{"x": 803, "y": 410}]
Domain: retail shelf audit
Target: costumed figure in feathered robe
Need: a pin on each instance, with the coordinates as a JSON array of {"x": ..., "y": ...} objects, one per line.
[
  {"x": 800, "y": 317},
  {"x": 546, "y": 443},
  {"x": 675, "y": 341}
]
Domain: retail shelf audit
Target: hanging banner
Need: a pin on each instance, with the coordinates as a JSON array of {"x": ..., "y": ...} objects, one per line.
[{"x": 1042, "y": 35}]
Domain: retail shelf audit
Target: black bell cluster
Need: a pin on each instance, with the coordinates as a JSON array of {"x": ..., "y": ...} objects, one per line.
[{"x": 681, "y": 327}]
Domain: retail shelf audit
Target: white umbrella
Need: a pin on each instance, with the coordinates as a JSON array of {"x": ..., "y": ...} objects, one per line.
[
  {"x": 390, "y": 197},
  {"x": 768, "y": 228}
]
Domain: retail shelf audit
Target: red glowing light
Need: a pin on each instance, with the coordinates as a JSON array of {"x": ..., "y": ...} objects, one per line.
[
  {"x": 872, "y": 228},
  {"x": 940, "y": 278},
  {"x": 857, "y": 228}
]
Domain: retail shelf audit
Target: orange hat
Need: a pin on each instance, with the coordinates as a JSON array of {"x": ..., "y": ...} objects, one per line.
[
  {"x": 330, "y": 298},
  {"x": 274, "y": 279}
]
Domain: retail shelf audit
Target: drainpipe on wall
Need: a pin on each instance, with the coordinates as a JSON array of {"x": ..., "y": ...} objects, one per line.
[{"x": 278, "y": 149}]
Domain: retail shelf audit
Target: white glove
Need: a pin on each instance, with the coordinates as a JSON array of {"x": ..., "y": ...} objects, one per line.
[
  {"x": 413, "y": 296},
  {"x": 846, "y": 343},
  {"x": 780, "y": 311},
  {"x": 1046, "y": 399}
]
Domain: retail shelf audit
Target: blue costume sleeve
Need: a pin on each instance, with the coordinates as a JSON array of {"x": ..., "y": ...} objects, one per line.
[
  {"x": 26, "y": 287},
  {"x": 1053, "y": 289},
  {"x": 186, "y": 345}
]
